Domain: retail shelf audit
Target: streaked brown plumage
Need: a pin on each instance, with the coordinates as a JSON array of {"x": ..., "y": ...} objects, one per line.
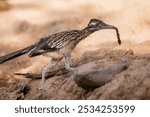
[{"x": 60, "y": 45}]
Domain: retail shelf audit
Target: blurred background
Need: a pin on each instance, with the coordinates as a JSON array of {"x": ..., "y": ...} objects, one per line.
[{"x": 23, "y": 22}]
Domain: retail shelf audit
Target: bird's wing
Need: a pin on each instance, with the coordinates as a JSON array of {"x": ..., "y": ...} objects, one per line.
[
  {"x": 54, "y": 42},
  {"x": 40, "y": 47},
  {"x": 62, "y": 39}
]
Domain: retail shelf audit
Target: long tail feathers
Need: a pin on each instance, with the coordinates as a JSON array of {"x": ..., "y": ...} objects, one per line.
[{"x": 15, "y": 54}]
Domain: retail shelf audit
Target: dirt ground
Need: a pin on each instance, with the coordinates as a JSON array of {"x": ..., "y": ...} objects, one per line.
[{"x": 25, "y": 22}]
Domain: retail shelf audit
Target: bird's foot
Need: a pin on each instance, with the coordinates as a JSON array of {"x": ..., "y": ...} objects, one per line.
[
  {"x": 70, "y": 69},
  {"x": 41, "y": 90}
]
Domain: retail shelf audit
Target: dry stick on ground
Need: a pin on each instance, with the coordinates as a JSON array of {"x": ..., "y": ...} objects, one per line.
[{"x": 39, "y": 75}]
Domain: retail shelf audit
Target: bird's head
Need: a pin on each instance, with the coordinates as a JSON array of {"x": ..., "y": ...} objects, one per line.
[
  {"x": 99, "y": 25},
  {"x": 96, "y": 24}
]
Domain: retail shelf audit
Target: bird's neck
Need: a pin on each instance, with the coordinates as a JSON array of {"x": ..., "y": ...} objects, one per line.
[
  {"x": 87, "y": 31},
  {"x": 84, "y": 33}
]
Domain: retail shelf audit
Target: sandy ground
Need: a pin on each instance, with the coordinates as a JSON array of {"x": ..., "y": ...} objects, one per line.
[{"x": 25, "y": 22}]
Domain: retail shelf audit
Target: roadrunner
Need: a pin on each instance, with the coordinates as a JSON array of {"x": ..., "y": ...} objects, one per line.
[{"x": 59, "y": 45}]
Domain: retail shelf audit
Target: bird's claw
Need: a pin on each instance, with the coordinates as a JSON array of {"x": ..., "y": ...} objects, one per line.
[
  {"x": 70, "y": 68},
  {"x": 41, "y": 90}
]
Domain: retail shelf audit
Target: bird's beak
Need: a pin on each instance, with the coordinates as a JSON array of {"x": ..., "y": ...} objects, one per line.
[{"x": 107, "y": 26}]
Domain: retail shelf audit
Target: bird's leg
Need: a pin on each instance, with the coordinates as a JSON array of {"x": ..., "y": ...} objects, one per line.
[
  {"x": 44, "y": 71},
  {"x": 67, "y": 63}
]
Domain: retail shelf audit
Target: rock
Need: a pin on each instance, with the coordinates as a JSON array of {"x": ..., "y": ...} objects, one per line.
[{"x": 96, "y": 74}]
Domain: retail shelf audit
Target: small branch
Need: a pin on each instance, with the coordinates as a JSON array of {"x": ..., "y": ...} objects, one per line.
[{"x": 48, "y": 74}]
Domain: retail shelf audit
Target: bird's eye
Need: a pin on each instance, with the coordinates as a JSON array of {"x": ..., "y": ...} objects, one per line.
[{"x": 93, "y": 24}]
